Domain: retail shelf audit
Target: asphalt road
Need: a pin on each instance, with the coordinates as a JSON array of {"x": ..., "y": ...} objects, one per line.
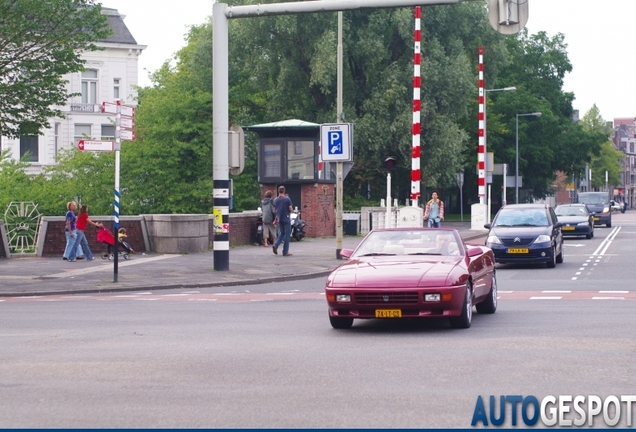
[{"x": 265, "y": 356}]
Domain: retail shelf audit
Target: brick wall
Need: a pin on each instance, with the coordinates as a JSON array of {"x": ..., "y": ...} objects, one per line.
[{"x": 55, "y": 239}]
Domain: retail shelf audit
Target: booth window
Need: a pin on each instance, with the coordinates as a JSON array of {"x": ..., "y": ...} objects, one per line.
[
  {"x": 272, "y": 160},
  {"x": 300, "y": 160}
]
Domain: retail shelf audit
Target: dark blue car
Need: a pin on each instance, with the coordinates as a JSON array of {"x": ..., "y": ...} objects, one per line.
[{"x": 526, "y": 233}]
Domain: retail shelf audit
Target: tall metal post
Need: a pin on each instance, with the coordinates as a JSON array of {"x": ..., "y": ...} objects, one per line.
[
  {"x": 339, "y": 165},
  {"x": 117, "y": 195},
  {"x": 517, "y": 162},
  {"x": 387, "y": 221}
]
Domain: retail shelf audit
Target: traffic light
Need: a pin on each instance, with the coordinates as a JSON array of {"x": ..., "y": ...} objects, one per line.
[{"x": 389, "y": 163}]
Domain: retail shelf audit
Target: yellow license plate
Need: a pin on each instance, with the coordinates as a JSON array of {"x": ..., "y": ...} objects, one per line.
[
  {"x": 518, "y": 250},
  {"x": 388, "y": 313},
  {"x": 596, "y": 219},
  {"x": 568, "y": 228}
]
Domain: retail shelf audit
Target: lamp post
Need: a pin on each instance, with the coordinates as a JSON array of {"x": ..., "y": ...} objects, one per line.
[
  {"x": 536, "y": 114},
  {"x": 486, "y": 91}
]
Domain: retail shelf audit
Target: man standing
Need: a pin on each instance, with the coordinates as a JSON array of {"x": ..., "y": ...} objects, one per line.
[
  {"x": 283, "y": 207},
  {"x": 434, "y": 212}
]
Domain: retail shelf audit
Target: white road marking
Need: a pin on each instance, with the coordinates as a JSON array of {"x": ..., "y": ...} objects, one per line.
[
  {"x": 545, "y": 298},
  {"x": 608, "y": 298},
  {"x": 613, "y": 292},
  {"x": 556, "y": 291}
]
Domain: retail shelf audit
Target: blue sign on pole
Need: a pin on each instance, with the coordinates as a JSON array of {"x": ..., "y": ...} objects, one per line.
[{"x": 336, "y": 142}]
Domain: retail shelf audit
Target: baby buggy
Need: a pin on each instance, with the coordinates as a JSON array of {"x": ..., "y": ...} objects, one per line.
[{"x": 105, "y": 236}]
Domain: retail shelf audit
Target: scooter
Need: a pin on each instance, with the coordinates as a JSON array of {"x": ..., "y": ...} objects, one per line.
[
  {"x": 259, "y": 230},
  {"x": 297, "y": 226}
]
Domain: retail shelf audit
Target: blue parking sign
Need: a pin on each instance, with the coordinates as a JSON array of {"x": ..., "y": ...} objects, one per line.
[{"x": 336, "y": 142}]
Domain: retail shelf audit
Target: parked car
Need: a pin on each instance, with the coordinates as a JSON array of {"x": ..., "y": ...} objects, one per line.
[
  {"x": 526, "y": 233},
  {"x": 599, "y": 204},
  {"x": 576, "y": 219},
  {"x": 412, "y": 273}
]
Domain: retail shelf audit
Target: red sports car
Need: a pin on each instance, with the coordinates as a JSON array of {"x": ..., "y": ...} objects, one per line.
[{"x": 412, "y": 273}]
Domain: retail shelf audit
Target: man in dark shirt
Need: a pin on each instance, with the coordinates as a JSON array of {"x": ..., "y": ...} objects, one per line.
[{"x": 283, "y": 207}]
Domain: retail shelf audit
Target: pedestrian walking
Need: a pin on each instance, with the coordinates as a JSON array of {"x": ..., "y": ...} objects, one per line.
[
  {"x": 283, "y": 206},
  {"x": 269, "y": 213},
  {"x": 70, "y": 222},
  {"x": 82, "y": 221},
  {"x": 434, "y": 212}
]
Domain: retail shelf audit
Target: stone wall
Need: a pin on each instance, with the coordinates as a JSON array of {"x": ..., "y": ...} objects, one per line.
[
  {"x": 178, "y": 233},
  {"x": 4, "y": 246},
  {"x": 52, "y": 240}
]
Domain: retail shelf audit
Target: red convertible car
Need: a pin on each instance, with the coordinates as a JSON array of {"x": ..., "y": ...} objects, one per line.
[{"x": 412, "y": 273}]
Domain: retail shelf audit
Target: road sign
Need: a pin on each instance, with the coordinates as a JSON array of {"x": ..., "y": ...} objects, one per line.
[
  {"x": 90, "y": 145},
  {"x": 336, "y": 142},
  {"x": 127, "y": 122},
  {"x": 127, "y": 135},
  {"x": 111, "y": 108}
]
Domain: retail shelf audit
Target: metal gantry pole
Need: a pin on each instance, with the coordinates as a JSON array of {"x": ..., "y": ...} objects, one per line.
[
  {"x": 339, "y": 165},
  {"x": 117, "y": 195},
  {"x": 517, "y": 162}
]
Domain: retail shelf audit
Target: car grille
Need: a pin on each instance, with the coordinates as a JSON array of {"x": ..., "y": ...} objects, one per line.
[
  {"x": 525, "y": 241},
  {"x": 387, "y": 298}
]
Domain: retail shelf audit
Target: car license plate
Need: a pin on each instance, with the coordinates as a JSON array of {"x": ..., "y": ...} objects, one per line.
[
  {"x": 568, "y": 228},
  {"x": 596, "y": 219},
  {"x": 518, "y": 250},
  {"x": 388, "y": 313}
]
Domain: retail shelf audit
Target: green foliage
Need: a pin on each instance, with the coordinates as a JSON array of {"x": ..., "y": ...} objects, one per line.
[{"x": 39, "y": 42}]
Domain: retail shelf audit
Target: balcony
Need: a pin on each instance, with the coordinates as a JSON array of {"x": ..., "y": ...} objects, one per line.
[{"x": 82, "y": 107}]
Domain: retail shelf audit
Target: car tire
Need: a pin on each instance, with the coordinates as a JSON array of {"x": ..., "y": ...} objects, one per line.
[
  {"x": 609, "y": 224},
  {"x": 489, "y": 306},
  {"x": 340, "y": 323},
  {"x": 559, "y": 258},
  {"x": 464, "y": 320},
  {"x": 552, "y": 262},
  {"x": 589, "y": 235}
]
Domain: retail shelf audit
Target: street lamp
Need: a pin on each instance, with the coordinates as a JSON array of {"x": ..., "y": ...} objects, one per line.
[
  {"x": 486, "y": 91},
  {"x": 536, "y": 114}
]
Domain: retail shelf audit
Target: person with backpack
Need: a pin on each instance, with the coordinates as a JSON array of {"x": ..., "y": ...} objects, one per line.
[{"x": 269, "y": 213}]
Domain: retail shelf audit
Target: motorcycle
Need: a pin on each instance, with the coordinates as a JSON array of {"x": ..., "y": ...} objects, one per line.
[
  {"x": 297, "y": 226},
  {"x": 259, "y": 230}
]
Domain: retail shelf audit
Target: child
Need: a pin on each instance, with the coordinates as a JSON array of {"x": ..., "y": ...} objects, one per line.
[{"x": 121, "y": 235}]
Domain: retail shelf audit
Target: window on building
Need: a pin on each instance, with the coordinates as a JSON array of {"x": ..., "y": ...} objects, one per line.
[
  {"x": 82, "y": 131},
  {"x": 89, "y": 86},
  {"x": 272, "y": 160},
  {"x": 116, "y": 88},
  {"x": 57, "y": 138},
  {"x": 108, "y": 132},
  {"x": 29, "y": 145},
  {"x": 300, "y": 160}
]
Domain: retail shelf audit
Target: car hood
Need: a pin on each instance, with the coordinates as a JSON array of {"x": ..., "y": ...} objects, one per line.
[
  {"x": 394, "y": 272},
  {"x": 572, "y": 219},
  {"x": 518, "y": 231},
  {"x": 597, "y": 208}
]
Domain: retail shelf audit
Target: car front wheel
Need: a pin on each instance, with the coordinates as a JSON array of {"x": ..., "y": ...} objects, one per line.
[
  {"x": 464, "y": 320},
  {"x": 340, "y": 323},
  {"x": 552, "y": 262},
  {"x": 489, "y": 306}
]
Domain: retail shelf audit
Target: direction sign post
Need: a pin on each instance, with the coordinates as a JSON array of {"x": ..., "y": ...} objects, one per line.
[{"x": 95, "y": 145}]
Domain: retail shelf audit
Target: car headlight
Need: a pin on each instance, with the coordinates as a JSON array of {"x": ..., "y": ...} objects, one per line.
[
  {"x": 583, "y": 224},
  {"x": 492, "y": 240},
  {"x": 543, "y": 239},
  {"x": 343, "y": 298},
  {"x": 606, "y": 209}
]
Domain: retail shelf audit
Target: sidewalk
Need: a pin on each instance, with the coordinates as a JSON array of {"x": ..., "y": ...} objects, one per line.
[{"x": 311, "y": 257}]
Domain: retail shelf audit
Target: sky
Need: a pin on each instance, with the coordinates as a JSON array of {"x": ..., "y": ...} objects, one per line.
[{"x": 597, "y": 33}]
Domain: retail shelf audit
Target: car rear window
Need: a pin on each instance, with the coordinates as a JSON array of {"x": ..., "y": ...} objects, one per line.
[{"x": 594, "y": 198}]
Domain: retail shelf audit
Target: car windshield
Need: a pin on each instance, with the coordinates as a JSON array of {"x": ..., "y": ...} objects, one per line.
[
  {"x": 407, "y": 242},
  {"x": 599, "y": 198},
  {"x": 570, "y": 211},
  {"x": 521, "y": 217}
]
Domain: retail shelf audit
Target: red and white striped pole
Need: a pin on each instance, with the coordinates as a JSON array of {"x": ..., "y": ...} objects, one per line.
[
  {"x": 415, "y": 150},
  {"x": 481, "y": 155}
]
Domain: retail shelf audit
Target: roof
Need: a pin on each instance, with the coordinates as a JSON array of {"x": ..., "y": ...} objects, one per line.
[
  {"x": 284, "y": 124},
  {"x": 121, "y": 34}
]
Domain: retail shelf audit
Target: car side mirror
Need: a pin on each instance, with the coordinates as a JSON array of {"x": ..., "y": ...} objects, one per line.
[
  {"x": 346, "y": 253},
  {"x": 487, "y": 226},
  {"x": 474, "y": 251},
  {"x": 558, "y": 225}
]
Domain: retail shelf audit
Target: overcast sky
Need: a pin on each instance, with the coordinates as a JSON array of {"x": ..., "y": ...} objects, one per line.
[{"x": 598, "y": 34}]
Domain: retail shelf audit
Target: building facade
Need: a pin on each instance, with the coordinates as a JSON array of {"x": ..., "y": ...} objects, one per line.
[{"x": 109, "y": 74}]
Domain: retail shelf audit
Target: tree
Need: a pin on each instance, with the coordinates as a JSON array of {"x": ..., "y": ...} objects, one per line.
[{"x": 40, "y": 41}]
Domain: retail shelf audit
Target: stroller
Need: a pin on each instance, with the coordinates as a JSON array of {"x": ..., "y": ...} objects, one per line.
[{"x": 105, "y": 236}]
